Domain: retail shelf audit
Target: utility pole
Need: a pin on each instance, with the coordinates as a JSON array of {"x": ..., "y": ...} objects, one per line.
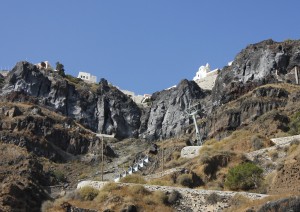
[
  {"x": 162, "y": 161},
  {"x": 296, "y": 75},
  {"x": 193, "y": 111},
  {"x": 101, "y": 136},
  {"x": 102, "y": 158}
]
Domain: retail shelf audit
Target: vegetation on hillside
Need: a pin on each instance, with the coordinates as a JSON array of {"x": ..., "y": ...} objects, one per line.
[
  {"x": 116, "y": 198},
  {"x": 244, "y": 176}
]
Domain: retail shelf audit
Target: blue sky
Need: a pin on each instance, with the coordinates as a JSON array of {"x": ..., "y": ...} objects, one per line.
[{"x": 139, "y": 45}]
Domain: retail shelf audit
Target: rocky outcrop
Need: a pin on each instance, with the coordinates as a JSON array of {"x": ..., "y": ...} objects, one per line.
[
  {"x": 22, "y": 178},
  {"x": 247, "y": 109},
  {"x": 45, "y": 133},
  {"x": 1, "y": 79},
  {"x": 117, "y": 113},
  {"x": 104, "y": 109},
  {"x": 166, "y": 117},
  {"x": 258, "y": 64}
]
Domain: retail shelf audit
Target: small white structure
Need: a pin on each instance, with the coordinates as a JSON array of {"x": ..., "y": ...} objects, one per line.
[
  {"x": 4, "y": 73},
  {"x": 202, "y": 72},
  {"x": 43, "y": 64},
  {"x": 139, "y": 99},
  {"x": 190, "y": 151},
  {"x": 87, "y": 77},
  {"x": 206, "y": 78}
]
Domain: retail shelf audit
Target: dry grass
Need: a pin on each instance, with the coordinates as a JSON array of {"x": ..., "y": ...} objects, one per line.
[
  {"x": 239, "y": 141},
  {"x": 88, "y": 193},
  {"x": 133, "y": 178},
  {"x": 115, "y": 198},
  {"x": 161, "y": 182}
]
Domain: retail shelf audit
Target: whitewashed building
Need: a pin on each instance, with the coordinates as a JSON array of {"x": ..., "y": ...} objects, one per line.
[
  {"x": 206, "y": 78},
  {"x": 87, "y": 77}
]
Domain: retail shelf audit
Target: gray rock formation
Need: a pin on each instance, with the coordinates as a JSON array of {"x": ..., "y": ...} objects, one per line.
[
  {"x": 166, "y": 116},
  {"x": 105, "y": 110},
  {"x": 258, "y": 64}
]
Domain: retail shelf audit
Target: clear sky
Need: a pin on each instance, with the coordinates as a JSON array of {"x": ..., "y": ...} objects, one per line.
[{"x": 140, "y": 45}]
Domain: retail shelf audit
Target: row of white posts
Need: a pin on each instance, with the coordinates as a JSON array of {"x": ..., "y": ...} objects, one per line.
[{"x": 132, "y": 169}]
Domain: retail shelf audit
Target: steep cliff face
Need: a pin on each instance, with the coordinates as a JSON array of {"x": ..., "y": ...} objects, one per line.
[
  {"x": 258, "y": 64},
  {"x": 167, "y": 115},
  {"x": 248, "y": 108},
  {"x": 104, "y": 109},
  {"x": 101, "y": 108}
]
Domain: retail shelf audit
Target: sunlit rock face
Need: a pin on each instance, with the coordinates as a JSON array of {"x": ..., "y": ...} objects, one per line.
[{"x": 258, "y": 64}]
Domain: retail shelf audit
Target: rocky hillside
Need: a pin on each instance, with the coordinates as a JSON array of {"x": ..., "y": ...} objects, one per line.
[
  {"x": 53, "y": 121},
  {"x": 21, "y": 178},
  {"x": 258, "y": 64},
  {"x": 103, "y": 108}
]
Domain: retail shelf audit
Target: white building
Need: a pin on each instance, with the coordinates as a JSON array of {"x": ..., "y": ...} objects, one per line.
[
  {"x": 4, "y": 73},
  {"x": 139, "y": 99},
  {"x": 87, "y": 77},
  {"x": 206, "y": 78},
  {"x": 44, "y": 64}
]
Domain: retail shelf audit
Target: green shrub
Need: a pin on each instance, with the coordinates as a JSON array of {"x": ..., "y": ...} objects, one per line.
[
  {"x": 133, "y": 178},
  {"x": 88, "y": 193},
  {"x": 244, "y": 176}
]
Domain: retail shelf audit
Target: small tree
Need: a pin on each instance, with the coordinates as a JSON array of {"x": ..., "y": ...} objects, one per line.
[
  {"x": 244, "y": 176},
  {"x": 60, "y": 69}
]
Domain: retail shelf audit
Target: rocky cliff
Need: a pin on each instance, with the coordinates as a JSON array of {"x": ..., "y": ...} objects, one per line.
[
  {"x": 235, "y": 100},
  {"x": 21, "y": 178},
  {"x": 166, "y": 117},
  {"x": 258, "y": 64},
  {"x": 102, "y": 108}
]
